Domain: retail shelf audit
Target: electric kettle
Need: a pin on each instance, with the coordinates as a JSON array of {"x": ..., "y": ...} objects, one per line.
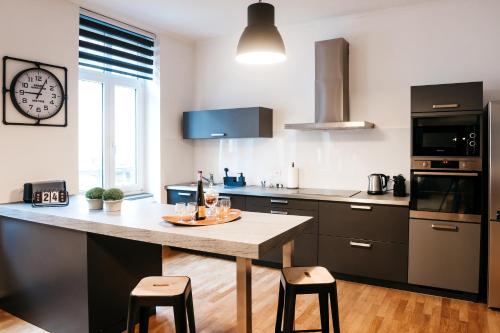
[{"x": 377, "y": 183}]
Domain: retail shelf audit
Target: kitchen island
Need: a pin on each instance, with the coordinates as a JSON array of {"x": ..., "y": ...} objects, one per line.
[{"x": 71, "y": 269}]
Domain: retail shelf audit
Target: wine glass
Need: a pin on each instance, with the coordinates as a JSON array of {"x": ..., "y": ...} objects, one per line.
[
  {"x": 180, "y": 210},
  {"x": 211, "y": 198},
  {"x": 225, "y": 205},
  {"x": 191, "y": 210}
]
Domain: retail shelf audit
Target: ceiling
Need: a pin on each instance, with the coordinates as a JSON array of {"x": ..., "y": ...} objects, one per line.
[{"x": 197, "y": 19}]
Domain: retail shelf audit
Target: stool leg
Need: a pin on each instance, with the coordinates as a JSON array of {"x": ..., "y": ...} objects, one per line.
[
  {"x": 335, "y": 308},
  {"x": 289, "y": 310},
  {"x": 190, "y": 313},
  {"x": 279, "y": 315},
  {"x": 180, "y": 316},
  {"x": 132, "y": 314},
  {"x": 323, "y": 310},
  {"x": 143, "y": 319}
]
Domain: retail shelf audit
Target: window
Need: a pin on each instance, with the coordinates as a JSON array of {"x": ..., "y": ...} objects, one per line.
[{"x": 114, "y": 64}]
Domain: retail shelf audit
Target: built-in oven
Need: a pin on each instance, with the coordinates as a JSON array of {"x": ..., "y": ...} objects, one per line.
[
  {"x": 448, "y": 190},
  {"x": 446, "y": 135}
]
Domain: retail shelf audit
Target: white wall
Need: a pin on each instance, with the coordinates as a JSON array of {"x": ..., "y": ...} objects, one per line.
[
  {"x": 33, "y": 154},
  {"x": 177, "y": 93},
  {"x": 45, "y": 31},
  {"x": 390, "y": 50}
]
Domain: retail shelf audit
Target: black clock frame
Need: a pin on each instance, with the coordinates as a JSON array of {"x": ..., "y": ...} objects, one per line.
[
  {"x": 14, "y": 100},
  {"x": 6, "y": 90}
]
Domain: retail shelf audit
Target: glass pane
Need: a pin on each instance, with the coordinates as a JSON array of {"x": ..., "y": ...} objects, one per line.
[
  {"x": 90, "y": 134},
  {"x": 125, "y": 137},
  {"x": 447, "y": 194}
]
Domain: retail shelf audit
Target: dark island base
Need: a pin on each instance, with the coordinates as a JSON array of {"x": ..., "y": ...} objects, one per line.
[{"x": 69, "y": 281}]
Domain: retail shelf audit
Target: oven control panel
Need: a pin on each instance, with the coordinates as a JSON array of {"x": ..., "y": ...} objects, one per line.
[{"x": 472, "y": 164}]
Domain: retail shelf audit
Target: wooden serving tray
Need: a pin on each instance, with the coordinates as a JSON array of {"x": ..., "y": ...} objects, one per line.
[{"x": 233, "y": 215}]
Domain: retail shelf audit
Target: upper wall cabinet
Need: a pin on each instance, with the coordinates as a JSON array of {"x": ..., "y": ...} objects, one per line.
[
  {"x": 256, "y": 122},
  {"x": 447, "y": 97}
]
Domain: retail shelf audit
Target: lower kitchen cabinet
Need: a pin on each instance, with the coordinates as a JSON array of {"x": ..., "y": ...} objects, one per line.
[
  {"x": 306, "y": 245},
  {"x": 444, "y": 254},
  {"x": 175, "y": 196},
  {"x": 373, "y": 259}
]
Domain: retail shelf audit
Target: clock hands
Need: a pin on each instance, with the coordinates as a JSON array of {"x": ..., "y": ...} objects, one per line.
[{"x": 40, "y": 92}]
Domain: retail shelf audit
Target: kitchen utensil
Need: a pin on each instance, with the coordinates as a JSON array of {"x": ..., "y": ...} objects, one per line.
[
  {"x": 377, "y": 183},
  {"x": 399, "y": 186}
]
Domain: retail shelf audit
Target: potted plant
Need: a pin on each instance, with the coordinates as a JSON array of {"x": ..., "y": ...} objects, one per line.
[
  {"x": 94, "y": 198},
  {"x": 112, "y": 200}
]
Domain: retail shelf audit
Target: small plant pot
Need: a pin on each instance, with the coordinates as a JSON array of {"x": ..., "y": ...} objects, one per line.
[
  {"x": 112, "y": 205},
  {"x": 95, "y": 204}
]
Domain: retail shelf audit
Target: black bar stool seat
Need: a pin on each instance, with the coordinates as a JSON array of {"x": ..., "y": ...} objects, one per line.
[
  {"x": 307, "y": 280},
  {"x": 155, "y": 291}
]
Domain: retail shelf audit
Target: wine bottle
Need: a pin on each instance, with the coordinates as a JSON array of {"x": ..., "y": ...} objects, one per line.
[{"x": 200, "y": 199}]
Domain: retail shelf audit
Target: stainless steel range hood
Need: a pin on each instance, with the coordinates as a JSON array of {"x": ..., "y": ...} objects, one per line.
[{"x": 332, "y": 89}]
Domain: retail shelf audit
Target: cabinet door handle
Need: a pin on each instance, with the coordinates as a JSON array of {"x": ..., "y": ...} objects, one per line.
[
  {"x": 452, "y": 174},
  {"x": 363, "y": 245},
  {"x": 444, "y": 227},
  {"x": 357, "y": 207},
  {"x": 184, "y": 194},
  {"x": 445, "y": 106},
  {"x": 279, "y": 212},
  {"x": 279, "y": 201},
  {"x": 217, "y": 135}
]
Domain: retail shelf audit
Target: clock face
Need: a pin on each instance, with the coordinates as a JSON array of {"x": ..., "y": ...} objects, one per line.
[{"x": 37, "y": 93}]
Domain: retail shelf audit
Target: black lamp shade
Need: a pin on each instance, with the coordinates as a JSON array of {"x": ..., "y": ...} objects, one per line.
[{"x": 261, "y": 42}]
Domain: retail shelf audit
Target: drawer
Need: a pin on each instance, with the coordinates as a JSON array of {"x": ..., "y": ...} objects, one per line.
[
  {"x": 305, "y": 252},
  {"x": 282, "y": 203},
  {"x": 444, "y": 254},
  {"x": 175, "y": 196},
  {"x": 364, "y": 221},
  {"x": 447, "y": 97},
  {"x": 378, "y": 260},
  {"x": 237, "y": 201},
  {"x": 313, "y": 226}
]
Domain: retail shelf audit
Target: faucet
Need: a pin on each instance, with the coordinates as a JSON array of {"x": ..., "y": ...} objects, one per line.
[{"x": 209, "y": 180}]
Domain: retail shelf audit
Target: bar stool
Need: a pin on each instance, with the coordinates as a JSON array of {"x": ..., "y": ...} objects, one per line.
[
  {"x": 307, "y": 280},
  {"x": 161, "y": 291}
]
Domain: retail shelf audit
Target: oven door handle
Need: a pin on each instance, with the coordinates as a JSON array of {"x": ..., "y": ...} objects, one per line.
[
  {"x": 444, "y": 227},
  {"x": 457, "y": 174}
]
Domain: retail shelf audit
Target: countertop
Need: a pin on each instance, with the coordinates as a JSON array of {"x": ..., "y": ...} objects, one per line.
[
  {"x": 305, "y": 193},
  {"x": 249, "y": 237}
]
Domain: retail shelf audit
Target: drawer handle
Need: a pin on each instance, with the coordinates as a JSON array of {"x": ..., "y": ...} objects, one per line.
[
  {"x": 363, "y": 245},
  {"x": 279, "y": 212},
  {"x": 184, "y": 194},
  {"x": 445, "y": 106},
  {"x": 444, "y": 227},
  {"x": 279, "y": 201},
  {"x": 217, "y": 135},
  {"x": 357, "y": 207}
]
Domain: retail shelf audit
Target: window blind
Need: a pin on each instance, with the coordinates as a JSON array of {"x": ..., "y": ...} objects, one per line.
[{"x": 111, "y": 48}]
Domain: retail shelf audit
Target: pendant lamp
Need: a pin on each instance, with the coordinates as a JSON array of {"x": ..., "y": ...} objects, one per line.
[{"x": 261, "y": 42}]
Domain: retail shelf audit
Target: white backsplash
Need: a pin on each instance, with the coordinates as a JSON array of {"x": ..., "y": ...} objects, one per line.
[
  {"x": 337, "y": 160},
  {"x": 390, "y": 51}
]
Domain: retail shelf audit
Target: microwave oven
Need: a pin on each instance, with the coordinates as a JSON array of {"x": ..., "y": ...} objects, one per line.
[{"x": 447, "y": 135}]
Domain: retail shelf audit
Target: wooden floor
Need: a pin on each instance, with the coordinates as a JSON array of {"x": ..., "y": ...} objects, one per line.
[{"x": 363, "y": 308}]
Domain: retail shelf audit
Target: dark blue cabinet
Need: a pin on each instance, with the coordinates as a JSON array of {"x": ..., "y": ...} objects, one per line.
[{"x": 254, "y": 122}]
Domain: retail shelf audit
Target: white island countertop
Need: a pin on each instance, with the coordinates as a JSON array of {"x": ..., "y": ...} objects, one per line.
[{"x": 249, "y": 237}]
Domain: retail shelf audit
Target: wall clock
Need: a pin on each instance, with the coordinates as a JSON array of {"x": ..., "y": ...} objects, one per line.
[{"x": 35, "y": 93}]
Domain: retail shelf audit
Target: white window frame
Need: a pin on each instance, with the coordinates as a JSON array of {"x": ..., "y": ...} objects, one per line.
[{"x": 109, "y": 81}]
